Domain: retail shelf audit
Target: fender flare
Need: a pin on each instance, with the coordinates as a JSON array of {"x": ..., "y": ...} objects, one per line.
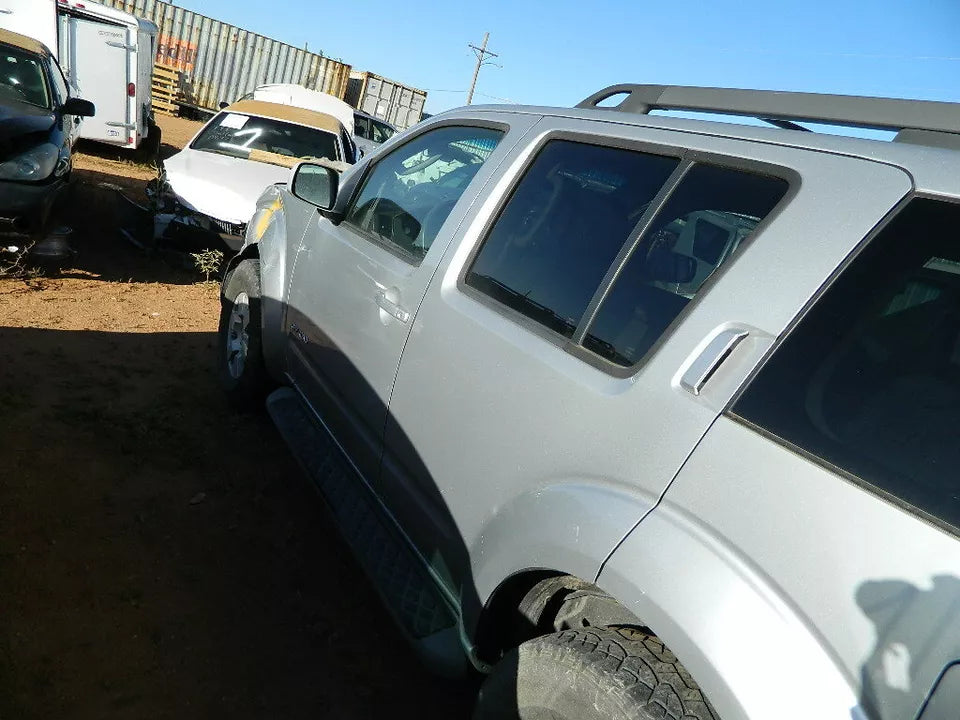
[{"x": 745, "y": 644}]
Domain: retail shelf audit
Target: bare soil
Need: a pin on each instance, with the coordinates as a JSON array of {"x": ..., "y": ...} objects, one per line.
[{"x": 161, "y": 556}]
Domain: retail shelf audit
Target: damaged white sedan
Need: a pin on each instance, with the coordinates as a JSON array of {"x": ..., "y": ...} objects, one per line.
[{"x": 211, "y": 187}]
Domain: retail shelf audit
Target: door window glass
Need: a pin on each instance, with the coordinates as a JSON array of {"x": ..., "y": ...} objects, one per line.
[
  {"x": 869, "y": 381},
  {"x": 409, "y": 193},
  {"x": 566, "y": 221},
  {"x": 379, "y": 132},
  {"x": 361, "y": 127},
  {"x": 60, "y": 90},
  {"x": 702, "y": 224}
]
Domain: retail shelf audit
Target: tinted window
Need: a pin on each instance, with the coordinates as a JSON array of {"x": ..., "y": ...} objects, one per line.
[
  {"x": 361, "y": 127},
  {"x": 380, "y": 132},
  {"x": 702, "y": 224},
  {"x": 409, "y": 193},
  {"x": 563, "y": 226},
  {"x": 264, "y": 139},
  {"x": 869, "y": 381}
]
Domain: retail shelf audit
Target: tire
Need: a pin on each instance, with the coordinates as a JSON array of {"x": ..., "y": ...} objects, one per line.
[
  {"x": 240, "y": 365},
  {"x": 592, "y": 674}
]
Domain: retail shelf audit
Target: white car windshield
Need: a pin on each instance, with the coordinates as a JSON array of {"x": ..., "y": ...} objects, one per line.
[{"x": 239, "y": 135}]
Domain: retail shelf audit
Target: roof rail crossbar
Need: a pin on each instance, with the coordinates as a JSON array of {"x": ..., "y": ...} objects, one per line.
[{"x": 779, "y": 107}]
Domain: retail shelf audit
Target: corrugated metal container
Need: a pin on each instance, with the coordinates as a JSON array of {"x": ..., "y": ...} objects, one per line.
[
  {"x": 388, "y": 100},
  {"x": 221, "y": 62}
]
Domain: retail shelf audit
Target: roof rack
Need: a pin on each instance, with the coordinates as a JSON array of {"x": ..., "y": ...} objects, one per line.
[{"x": 785, "y": 109}]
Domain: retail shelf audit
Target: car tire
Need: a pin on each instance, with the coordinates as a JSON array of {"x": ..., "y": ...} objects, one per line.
[
  {"x": 591, "y": 674},
  {"x": 240, "y": 365}
]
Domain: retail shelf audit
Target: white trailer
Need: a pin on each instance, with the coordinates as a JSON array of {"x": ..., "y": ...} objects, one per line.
[{"x": 108, "y": 57}]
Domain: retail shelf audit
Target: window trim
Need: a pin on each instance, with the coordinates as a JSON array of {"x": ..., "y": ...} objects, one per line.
[
  {"x": 843, "y": 474},
  {"x": 686, "y": 158},
  {"x": 393, "y": 249}
]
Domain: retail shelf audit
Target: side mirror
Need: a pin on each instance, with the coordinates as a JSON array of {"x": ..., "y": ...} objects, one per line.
[
  {"x": 224, "y": 105},
  {"x": 79, "y": 107},
  {"x": 316, "y": 184}
]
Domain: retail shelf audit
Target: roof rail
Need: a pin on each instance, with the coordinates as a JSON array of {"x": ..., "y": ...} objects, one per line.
[{"x": 784, "y": 109}]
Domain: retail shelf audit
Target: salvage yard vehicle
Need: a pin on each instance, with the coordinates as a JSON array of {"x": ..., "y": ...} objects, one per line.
[
  {"x": 213, "y": 184},
  {"x": 370, "y": 132},
  {"x": 646, "y": 416},
  {"x": 366, "y": 131},
  {"x": 107, "y": 56},
  {"x": 37, "y": 133}
]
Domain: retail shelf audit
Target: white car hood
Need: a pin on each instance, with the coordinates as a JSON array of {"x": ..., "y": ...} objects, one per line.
[{"x": 223, "y": 187}]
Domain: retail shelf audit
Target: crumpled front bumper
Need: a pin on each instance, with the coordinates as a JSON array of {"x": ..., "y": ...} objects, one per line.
[{"x": 178, "y": 224}]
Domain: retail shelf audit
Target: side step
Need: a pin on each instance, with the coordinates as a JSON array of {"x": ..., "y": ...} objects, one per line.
[{"x": 405, "y": 586}]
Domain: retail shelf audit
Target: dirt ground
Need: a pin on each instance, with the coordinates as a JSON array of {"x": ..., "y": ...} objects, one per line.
[{"x": 160, "y": 556}]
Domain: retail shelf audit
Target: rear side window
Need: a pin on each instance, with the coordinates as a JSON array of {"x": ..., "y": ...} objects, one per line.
[
  {"x": 567, "y": 220},
  {"x": 703, "y": 223},
  {"x": 576, "y": 249},
  {"x": 869, "y": 381}
]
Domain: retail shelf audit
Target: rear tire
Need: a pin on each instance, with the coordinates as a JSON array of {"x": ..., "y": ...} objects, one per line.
[
  {"x": 240, "y": 365},
  {"x": 592, "y": 674}
]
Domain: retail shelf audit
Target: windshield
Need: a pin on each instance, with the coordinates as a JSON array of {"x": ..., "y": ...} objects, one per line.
[
  {"x": 265, "y": 139},
  {"x": 22, "y": 77}
]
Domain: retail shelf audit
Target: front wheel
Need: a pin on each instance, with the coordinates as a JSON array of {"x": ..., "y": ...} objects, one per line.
[
  {"x": 240, "y": 357},
  {"x": 592, "y": 674}
]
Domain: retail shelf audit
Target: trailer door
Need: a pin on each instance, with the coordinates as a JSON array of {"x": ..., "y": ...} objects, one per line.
[
  {"x": 33, "y": 18},
  {"x": 99, "y": 65}
]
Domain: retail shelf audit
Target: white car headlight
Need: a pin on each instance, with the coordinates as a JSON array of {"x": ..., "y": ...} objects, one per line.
[{"x": 34, "y": 165}]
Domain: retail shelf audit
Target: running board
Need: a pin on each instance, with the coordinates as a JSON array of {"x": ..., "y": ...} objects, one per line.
[{"x": 404, "y": 585}]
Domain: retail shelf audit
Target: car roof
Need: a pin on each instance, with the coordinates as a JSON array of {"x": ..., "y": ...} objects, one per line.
[
  {"x": 288, "y": 113},
  {"x": 23, "y": 42},
  {"x": 932, "y": 167}
]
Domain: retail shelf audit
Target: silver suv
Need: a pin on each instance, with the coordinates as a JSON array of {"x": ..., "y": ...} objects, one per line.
[{"x": 644, "y": 416}]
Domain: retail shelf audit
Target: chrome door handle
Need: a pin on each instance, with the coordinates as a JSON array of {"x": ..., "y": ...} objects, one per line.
[
  {"x": 712, "y": 357},
  {"x": 390, "y": 307}
]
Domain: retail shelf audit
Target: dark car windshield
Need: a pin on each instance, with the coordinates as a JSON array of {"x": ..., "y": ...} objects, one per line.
[
  {"x": 264, "y": 139},
  {"x": 22, "y": 78}
]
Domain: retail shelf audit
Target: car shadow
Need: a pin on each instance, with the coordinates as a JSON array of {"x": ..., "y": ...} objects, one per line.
[
  {"x": 161, "y": 557},
  {"x": 111, "y": 231},
  {"x": 917, "y": 638}
]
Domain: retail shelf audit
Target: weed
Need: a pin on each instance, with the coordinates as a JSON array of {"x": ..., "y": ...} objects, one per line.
[{"x": 208, "y": 262}]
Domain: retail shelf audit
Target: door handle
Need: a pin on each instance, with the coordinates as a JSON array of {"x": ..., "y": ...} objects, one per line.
[
  {"x": 390, "y": 307},
  {"x": 712, "y": 357},
  {"x": 4, "y": 11}
]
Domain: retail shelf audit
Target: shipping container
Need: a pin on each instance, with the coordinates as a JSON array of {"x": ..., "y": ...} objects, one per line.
[
  {"x": 398, "y": 104},
  {"x": 221, "y": 62}
]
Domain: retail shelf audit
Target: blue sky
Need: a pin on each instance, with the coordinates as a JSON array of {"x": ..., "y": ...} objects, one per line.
[{"x": 558, "y": 52}]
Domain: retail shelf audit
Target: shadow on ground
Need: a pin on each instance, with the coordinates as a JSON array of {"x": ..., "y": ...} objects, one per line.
[
  {"x": 161, "y": 556},
  {"x": 93, "y": 207}
]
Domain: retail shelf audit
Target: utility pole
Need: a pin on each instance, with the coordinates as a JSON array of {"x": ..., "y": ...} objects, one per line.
[{"x": 481, "y": 53}]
